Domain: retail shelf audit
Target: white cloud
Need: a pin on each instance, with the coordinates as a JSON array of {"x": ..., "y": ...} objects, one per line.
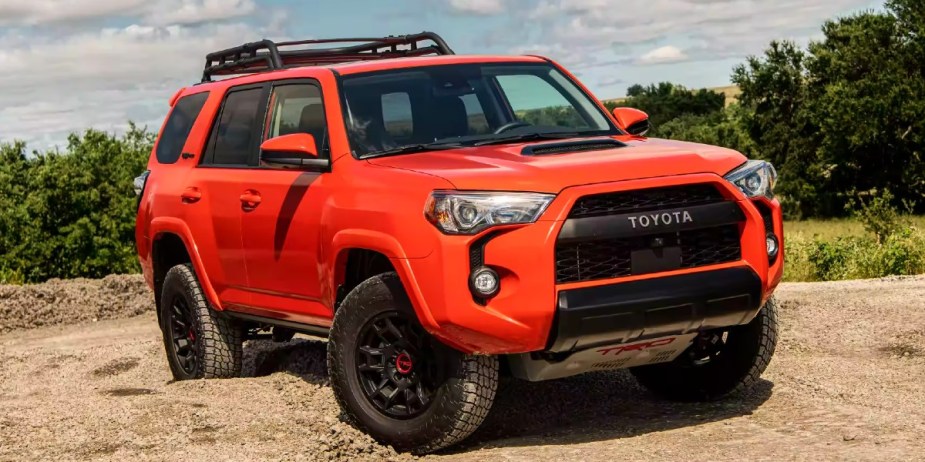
[
  {"x": 592, "y": 28},
  {"x": 102, "y": 79},
  {"x": 156, "y": 12},
  {"x": 196, "y": 12},
  {"x": 478, "y": 7},
  {"x": 663, "y": 55},
  {"x": 31, "y": 12}
]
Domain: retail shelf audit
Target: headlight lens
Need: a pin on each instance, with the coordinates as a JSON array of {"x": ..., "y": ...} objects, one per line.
[
  {"x": 456, "y": 212},
  {"x": 754, "y": 178}
]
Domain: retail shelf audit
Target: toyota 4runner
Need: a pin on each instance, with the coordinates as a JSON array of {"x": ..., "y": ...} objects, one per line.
[{"x": 443, "y": 219}]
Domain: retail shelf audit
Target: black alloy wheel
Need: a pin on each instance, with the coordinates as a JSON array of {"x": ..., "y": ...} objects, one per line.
[
  {"x": 186, "y": 343},
  {"x": 200, "y": 342},
  {"x": 398, "y": 369}
]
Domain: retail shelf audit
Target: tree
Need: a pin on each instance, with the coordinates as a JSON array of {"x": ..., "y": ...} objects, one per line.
[
  {"x": 846, "y": 116},
  {"x": 725, "y": 128},
  {"x": 667, "y": 101}
]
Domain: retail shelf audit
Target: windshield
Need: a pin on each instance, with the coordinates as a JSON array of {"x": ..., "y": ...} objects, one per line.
[{"x": 425, "y": 108}]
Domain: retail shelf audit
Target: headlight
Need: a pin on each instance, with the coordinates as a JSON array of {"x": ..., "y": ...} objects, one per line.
[
  {"x": 455, "y": 212},
  {"x": 754, "y": 178}
]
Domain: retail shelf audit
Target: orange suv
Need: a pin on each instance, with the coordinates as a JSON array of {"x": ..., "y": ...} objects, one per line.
[{"x": 443, "y": 219}]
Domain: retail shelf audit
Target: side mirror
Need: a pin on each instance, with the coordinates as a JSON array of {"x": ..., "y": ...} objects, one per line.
[
  {"x": 633, "y": 121},
  {"x": 297, "y": 150}
]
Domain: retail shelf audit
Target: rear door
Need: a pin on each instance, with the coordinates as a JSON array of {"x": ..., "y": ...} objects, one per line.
[
  {"x": 213, "y": 192},
  {"x": 281, "y": 231}
]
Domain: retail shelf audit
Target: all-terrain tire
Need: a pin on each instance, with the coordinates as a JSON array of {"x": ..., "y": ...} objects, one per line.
[
  {"x": 744, "y": 357},
  {"x": 216, "y": 341},
  {"x": 459, "y": 405}
]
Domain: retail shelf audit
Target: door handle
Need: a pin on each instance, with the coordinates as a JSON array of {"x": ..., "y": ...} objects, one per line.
[
  {"x": 190, "y": 195},
  {"x": 250, "y": 199}
]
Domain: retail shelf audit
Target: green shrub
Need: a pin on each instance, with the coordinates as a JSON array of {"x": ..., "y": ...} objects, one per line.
[
  {"x": 854, "y": 257},
  {"x": 8, "y": 276},
  {"x": 72, "y": 213}
]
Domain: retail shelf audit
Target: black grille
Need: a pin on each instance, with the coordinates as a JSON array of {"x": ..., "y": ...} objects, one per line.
[
  {"x": 710, "y": 246},
  {"x": 611, "y": 258},
  {"x": 644, "y": 200}
]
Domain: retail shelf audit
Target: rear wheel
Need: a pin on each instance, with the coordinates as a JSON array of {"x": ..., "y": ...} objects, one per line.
[
  {"x": 200, "y": 343},
  {"x": 719, "y": 362},
  {"x": 396, "y": 382}
]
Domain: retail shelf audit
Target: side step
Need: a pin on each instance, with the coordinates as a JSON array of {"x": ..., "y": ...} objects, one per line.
[{"x": 307, "y": 329}]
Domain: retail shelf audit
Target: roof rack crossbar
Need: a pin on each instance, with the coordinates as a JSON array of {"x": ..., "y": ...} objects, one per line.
[{"x": 265, "y": 55}]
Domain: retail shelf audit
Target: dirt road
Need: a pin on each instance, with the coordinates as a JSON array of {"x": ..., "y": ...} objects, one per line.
[{"x": 848, "y": 382}]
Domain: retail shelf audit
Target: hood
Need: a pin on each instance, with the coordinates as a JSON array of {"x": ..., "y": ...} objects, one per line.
[{"x": 505, "y": 168}]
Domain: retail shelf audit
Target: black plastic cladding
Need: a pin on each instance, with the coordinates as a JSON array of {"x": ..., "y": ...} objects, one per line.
[
  {"x": 619, "y": 313},
  {"x": 265, "y": 55},
  {"x": 768, "y": 219}
]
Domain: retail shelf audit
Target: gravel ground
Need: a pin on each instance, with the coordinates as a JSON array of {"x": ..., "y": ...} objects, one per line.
[{"x": 848, "y": 382}]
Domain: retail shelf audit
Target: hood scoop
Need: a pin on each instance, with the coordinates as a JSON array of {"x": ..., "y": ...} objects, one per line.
[{"x": 567, "y": 147}]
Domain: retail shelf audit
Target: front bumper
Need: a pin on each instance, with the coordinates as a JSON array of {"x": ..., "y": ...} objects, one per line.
[
  {"x": 652, "y": 308},
  {"x": 523, "y": 316}
]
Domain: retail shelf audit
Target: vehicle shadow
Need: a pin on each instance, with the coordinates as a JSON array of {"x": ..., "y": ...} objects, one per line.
[
  {"x": 305, "y": 358},
  {"x": 591, "y": 407},
  {"x": 594, "y": 407}
]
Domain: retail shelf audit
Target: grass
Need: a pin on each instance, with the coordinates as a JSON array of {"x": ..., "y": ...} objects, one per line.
[
  {"x": 830, "y": 250},
  {"x": 831, "y": 229}
]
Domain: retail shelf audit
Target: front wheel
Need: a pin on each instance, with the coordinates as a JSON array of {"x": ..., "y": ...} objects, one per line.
[
  {"x": 396, "y": 382},
  {"x": 719, "y": 362}
]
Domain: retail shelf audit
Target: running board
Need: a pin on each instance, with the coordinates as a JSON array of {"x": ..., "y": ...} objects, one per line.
[{"x": 307, "y": 329}]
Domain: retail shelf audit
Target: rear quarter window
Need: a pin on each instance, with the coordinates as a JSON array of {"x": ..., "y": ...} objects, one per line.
[{"x": 178, "y": 126}]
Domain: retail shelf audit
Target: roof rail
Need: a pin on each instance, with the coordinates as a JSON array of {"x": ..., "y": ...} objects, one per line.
[{"x": 266, "y": 55}]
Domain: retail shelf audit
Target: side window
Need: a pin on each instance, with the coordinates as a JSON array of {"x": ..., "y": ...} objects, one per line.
[
  {"x": 397, "y": 115},
  {"x": 537, "y": 102},
  {"x": 297, "y": 108},
  {"x": 234, "y": 138},
  {"x": 178, "y": 126}
]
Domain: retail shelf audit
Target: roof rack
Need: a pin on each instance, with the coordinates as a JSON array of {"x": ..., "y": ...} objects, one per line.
[{"x": 266, "y": 55}]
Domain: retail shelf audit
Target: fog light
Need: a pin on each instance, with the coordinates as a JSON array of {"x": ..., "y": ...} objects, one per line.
[
  {"x": 773, "y": 245},
  {"x": 484, "y": 282}
]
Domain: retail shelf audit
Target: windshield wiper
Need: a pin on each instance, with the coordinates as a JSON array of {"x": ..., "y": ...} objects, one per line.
[
  {"x": 529, "y": 137},
  {"x": 412, "y": 148}
]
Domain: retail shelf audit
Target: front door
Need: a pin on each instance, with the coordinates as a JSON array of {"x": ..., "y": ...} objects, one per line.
[{"x": 281, "y": 227}]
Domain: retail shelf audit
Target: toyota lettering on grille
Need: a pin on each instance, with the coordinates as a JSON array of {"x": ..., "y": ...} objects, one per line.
[{"x": 661, "y": 219}]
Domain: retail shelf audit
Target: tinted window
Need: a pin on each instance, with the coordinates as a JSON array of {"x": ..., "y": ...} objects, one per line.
[
  {"x": 234, "y": 137},
  {"x": 465, "y": 104},
  {"x": 297, "y": 108},
  {"x": 535, "y": 101},
  {"x": 178, "y": 126}
]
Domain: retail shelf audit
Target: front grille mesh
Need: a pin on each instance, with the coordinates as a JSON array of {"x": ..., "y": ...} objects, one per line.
[
  {"x": 645, "y": 200},
  {"x": 611, "y": 258},
  {"x": 608, "y": 258}
]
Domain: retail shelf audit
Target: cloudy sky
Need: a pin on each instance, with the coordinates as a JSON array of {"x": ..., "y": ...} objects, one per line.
[{"x": 66, "y": 65}]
